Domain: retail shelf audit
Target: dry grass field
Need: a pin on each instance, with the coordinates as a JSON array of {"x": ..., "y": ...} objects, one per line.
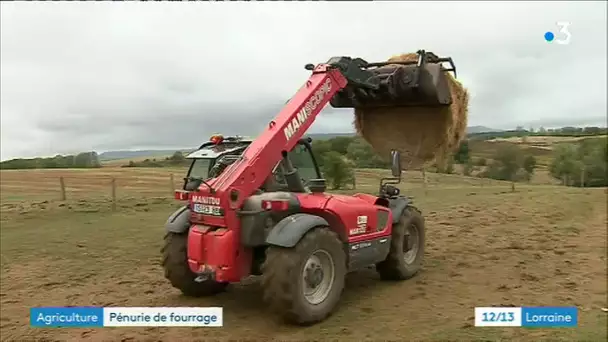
[
  {"x": 545, "y": 140},
  {"x": 540, "y": 147},
  {"x": 44, "y": 184},
  {"x": 542, "y": 245}
]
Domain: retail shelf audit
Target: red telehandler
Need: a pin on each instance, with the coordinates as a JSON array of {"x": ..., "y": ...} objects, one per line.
[{"x": 266, "y": 212}]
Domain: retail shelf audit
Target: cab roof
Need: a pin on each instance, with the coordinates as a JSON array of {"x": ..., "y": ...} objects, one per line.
[
  {"x": 215, "y": 148},
  {"x": 212, "y": 150}
]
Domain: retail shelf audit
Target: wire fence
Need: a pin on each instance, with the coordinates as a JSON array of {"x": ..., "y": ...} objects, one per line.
[
  {"x": 122, "y": 184},
  {"x": 68, "y": 185}
]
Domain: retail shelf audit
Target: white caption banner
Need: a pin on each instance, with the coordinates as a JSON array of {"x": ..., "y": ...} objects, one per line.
[{"x": 163, "y": 317}]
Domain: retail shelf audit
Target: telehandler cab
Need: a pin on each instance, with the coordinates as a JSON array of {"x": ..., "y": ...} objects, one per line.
[{"x": 259, "y": 207}]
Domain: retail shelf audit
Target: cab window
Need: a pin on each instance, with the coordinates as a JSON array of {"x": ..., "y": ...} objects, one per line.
[
  {"x": 200, "y": 168},
  {"x": 301, "y": 159}
]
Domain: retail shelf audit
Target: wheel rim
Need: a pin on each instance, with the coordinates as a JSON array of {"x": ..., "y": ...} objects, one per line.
[
  {"x": 318, "y": 277},
  {"x": 411, "y": 244}
]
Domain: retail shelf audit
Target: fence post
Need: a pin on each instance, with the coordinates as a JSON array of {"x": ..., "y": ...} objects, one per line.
[
  {"x": 62, "y": 186},
  {"x": 171, "y": 184},
  {"x": 583, "y": 176},
  {"x": 113, "y": 194}
]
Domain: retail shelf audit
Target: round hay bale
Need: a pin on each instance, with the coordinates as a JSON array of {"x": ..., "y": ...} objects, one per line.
[{"x": 421, "y": 134}]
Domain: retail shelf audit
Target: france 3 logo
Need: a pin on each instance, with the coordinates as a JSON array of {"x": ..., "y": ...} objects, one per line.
[{"x": 564, "y": 34}]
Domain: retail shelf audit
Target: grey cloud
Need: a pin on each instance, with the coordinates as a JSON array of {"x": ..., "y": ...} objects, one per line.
[{"x": 102, "y": 76}]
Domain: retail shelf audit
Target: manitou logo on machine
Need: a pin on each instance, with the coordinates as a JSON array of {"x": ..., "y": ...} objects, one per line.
[
  {"x": 361, "y": 226},
  {"x": 309, "y": 107},
  {"x": 206, "y": 200}
]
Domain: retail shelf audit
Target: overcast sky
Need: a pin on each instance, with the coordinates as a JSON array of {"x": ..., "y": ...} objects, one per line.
[{"x": 105, "y": 76}]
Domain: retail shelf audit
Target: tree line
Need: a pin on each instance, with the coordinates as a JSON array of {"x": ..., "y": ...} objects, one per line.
[
  {"x": 339, "y": 156},
  {"x": 81, "y": 160},
  {"x": 582, "y": 163},
  {"x": 557, "y": 132},
  {"x": 509, "y": 163},
  {"x": 176, "y": 160}
]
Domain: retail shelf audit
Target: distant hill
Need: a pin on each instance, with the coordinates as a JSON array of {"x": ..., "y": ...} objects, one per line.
[
  {"x": 470, "y": 130},
  {"x": 481, "y": 129},
  {"x": 113, "y": 155},
  {"x": 325, "y": 136}
]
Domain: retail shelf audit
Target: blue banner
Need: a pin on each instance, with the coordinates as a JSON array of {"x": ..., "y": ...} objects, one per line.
[
  {"x": 549, "y": 316},
  {"x": 73, "y": 317}
]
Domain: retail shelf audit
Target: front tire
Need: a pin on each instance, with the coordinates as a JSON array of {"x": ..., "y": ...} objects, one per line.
[
  {"x": 304, "y": 284},
  {"x": 404, "y": 261},
  {"x": 175, "y": 263}
]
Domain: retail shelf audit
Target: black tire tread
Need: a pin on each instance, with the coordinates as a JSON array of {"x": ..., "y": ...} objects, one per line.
[
  {"x": 394, "y": 267},
  {"x": 280, "y": 271}
]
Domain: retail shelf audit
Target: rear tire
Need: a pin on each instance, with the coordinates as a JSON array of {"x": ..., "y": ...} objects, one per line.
[
  {"x": 289, "y": 274},
  {"x": 400, "y": 265},
  {"x": 175, "y": 263}
]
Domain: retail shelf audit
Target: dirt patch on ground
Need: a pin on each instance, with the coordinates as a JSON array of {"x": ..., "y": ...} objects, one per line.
[{"x": 486, "y": 246}]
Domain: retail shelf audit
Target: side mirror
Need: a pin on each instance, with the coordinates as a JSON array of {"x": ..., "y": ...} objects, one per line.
[{"x": 396, "y": 163}]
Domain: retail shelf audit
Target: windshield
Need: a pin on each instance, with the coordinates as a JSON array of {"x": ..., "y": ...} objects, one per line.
[
  {"x": 200, "y": 168},
  {"x": 301, "y": 158}
]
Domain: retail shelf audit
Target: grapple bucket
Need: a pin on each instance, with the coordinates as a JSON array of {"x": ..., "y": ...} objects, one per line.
[{"x": 422, "y": 82}]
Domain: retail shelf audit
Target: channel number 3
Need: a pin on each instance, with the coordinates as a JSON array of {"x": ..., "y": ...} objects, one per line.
[{"x": 563, "y": 29}]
